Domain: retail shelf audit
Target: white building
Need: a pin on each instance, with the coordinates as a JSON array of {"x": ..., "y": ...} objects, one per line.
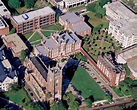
[
  {"x": 129, "y": 55},
  {"x": 3, "y": 10},
  {"x": 7, "y": 76},
  {"x": 123, "y": 23}
]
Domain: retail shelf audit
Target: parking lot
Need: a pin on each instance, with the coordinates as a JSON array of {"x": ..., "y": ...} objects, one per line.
[{"x": 103, "y": 83}]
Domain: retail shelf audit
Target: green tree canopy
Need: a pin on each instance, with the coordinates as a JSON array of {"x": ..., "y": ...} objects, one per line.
[
  {"x": 14, "y": 3},
  {"x": 74, "y": 105},
  {"x": 23, "y": 55},
  {"x": 57, "y": 106},
  {"x": 88, "y": 102},
  {"x": 29, "y": 3},
  {"x": 12, "y": 31},
  {"x": 103, "y": 2}
]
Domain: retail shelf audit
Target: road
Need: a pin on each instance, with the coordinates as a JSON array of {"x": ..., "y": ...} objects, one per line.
[{"x": 111, "y": 105}]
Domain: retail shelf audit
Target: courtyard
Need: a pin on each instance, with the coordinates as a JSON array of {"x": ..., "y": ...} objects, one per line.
[{"x": 99, "y": 44}]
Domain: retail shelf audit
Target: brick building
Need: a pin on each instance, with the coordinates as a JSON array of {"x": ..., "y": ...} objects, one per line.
[
  {"x": 46, "y": 79},
  {"x": 112, "y": 71},
  {"x": 58, "y": 45},
  {"x": 33, "y": 20},
  {"x": 75, "y": 24},
  {"x": 4, "y": 27},
  {"x": 15, "y": 43}
]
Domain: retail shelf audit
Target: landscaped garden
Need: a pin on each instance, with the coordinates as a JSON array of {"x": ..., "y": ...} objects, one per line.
[
  {"x": 87, "y": 85},
  {"x": 99, "y": 43},
  {"x": 127, "y": 88},
  {"x": 20, "y": 97}
]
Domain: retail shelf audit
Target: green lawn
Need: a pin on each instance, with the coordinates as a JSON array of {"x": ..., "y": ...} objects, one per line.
[
  {"x": 35, "y": 37},
  {"x": 52, "y": 29},
  {"x": 95, "y": 21},
  {"x": 27, "y": 35},
  {"x": 18, "y": 95},
  {"x": 35, "y": 43},
  {"x": 84, "y": 82},
  {"x": 77, "y": 8}
]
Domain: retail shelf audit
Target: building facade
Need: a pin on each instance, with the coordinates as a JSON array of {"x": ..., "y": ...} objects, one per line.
[
  {"x": 47, "y": 80},
  {"x": 4, "y": 27},
  {"x": 122, "y": 24},
  {"x": 58, "y": 46},
  {"x": 66, "y": 4},
  {"x": 15, "y": 44},
  {"x": 75, "y": 24},
  {"x": 114, "y": 73},
  {"x": 33, "y": 20}
]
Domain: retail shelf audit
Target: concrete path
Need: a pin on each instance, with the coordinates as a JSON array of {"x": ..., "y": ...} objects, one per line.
[{"x": 31, "y": 35}]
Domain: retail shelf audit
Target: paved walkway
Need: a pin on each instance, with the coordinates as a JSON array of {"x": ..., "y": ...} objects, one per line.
[{"x": 31, "y": 35}]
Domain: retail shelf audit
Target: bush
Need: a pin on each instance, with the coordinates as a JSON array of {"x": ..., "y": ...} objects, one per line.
[{"x": 12, "y": 31}]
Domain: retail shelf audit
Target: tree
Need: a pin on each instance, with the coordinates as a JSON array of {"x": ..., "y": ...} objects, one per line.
[
  {"x": 23, "y": 55},
  {"x": 29, "y": 3},
  {"x": 12, "y": 31},
  {"x": 131, "y": 3},
  {"x": 91, "y": 7},
  {"x": 102, "y": 2},
  {"x": 57, "y": 106},
  {"x": 57, "y": 16},
  {"x": 88, "y": 102},
  {"x": 14, "y": 3},
  {"x": 74, "y": 105}
]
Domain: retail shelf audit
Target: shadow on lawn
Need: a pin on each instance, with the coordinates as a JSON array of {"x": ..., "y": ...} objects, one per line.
[{"x": 68, "y": 72}]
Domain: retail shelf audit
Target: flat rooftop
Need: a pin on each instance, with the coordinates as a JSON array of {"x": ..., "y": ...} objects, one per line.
[
  {"x": 18, "y": 44},
  {"x": 129, "y": 52},
  {"x": 3, "y": 10},
  {"x": 71, "y": 18},
  {"x": 33, "y": 14},
  {"x": 80, "y": 27},
  {"x": 133, "y": 65},
  {"x": 67, "y": 38},
  {"x": 120, "y": 9}
]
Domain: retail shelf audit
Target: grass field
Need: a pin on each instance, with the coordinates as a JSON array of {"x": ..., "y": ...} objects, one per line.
[
  {"x": 95, "y": 21},
  {"x": 52, "y": 29},
  {"x": 27, "y": 35},
  {"x": 79, "y": 8},
  {"x": 84, "y": 82},
  {"x": 17, "y": 96},
  {"x": 35, "y": 37}
]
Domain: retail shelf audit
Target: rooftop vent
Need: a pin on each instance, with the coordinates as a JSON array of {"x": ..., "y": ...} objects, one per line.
[{"x": 25, "y": 16}]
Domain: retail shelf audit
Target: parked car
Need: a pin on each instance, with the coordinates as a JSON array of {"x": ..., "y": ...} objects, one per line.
[
  {"x": 99, "y": 82},
  {"x": 95, "y": 78}
]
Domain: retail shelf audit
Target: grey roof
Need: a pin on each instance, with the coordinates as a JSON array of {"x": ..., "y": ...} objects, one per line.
[
  {"x": 67, "y": 38},
  {"x": 50, "y": 44},
  {"x": 79, "y": 27},
  {"x": 71, "y": 18},
  {"x": 41, "y": 49},
  {"x": 120, "y": 9},
  {"x": 33, "y": 14},
  {"x": 40, "y": 67}
]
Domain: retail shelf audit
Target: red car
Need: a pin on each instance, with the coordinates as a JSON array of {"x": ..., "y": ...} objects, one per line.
[{"x": 95, "y": 78}]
